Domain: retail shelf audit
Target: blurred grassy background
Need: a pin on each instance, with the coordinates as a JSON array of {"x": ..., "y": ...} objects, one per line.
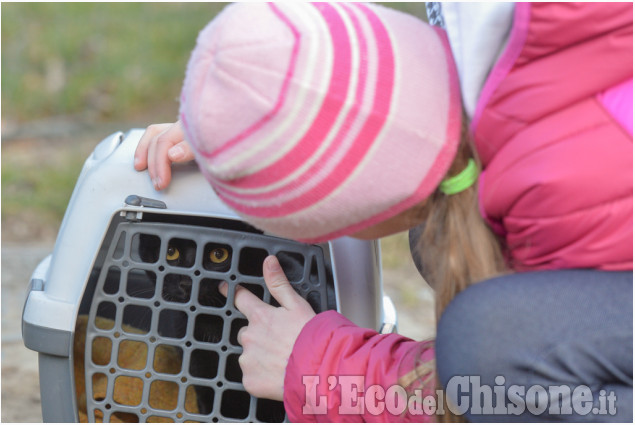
[
  {"x": 72, "y": 73},
  {"x": 100, "y": 61},
  {"x": 95, "y": 61}
]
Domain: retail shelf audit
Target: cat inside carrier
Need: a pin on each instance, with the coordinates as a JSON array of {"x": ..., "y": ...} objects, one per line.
[{"x": 126, "y": 314}]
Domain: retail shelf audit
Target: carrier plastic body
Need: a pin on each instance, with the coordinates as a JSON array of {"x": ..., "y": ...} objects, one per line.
[{"x": 113, "y": 274}]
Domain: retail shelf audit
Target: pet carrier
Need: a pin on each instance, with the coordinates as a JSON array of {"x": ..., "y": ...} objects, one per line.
[{"x": 126, "y": 315}]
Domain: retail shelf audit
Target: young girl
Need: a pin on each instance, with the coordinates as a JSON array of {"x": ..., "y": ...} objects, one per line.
[{"x": 318, "y": 121}]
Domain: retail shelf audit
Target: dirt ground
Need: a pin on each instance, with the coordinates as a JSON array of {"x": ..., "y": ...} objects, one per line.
[
  {"x": 24, "y": 245},
  {"x": 20, "y": 383}
]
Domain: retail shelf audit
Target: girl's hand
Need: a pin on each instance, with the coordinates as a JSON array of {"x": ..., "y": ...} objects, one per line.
[
  {"x": 269, "y": 337},
  {"x": 159, "y": 147}
]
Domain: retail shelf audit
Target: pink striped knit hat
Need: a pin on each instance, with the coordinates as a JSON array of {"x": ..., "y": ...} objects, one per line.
[{"x": 314, "y": 121}]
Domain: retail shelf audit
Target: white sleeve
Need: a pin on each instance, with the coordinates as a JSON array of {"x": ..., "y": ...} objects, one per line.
[{"x": 478, "y": 33}]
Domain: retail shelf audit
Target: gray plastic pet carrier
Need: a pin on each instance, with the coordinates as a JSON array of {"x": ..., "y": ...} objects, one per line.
[{"x": 126, "y": 314}]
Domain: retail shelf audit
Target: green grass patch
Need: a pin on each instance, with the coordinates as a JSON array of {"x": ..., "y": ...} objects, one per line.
[
  {"x": 39, "y": 191},
  {"x": 103, "y": 61},
  {"x": 107, "y": 60},
  {"x": 395, "y": 251}
]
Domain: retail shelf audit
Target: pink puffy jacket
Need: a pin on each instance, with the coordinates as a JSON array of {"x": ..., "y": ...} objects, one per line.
[{"x": 553, "y": 127}]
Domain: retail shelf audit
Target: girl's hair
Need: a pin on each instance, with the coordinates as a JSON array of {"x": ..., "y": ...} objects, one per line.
[{"x": 456, "y": 248}]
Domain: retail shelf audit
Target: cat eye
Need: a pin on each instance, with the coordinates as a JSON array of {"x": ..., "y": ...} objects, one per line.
[
  {"x": 173, "y": 254},
  {"x": 218, "y": 255}
]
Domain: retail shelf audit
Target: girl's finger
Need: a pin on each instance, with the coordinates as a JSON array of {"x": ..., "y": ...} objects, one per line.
[
  {"x": 159, "y": 163},
  {"x": 279, "y": 285},
  {"x": 141, "y": 153},
  {"x": 239, "y": 335},
  {"x": 181, "y": 152},
  {"x": 244, "y": 300}
]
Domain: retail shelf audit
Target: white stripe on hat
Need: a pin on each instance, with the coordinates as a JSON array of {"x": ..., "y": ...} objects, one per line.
[
  {"x": 346, "y": 142},
  {"x": 246, "y": 149}
]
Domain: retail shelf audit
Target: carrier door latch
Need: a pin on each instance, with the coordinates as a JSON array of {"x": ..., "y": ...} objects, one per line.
[{"x": 140, "y": 201}]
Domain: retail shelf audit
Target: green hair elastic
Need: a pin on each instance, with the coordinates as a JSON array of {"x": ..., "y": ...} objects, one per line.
[{"x": 461, "y": 181}]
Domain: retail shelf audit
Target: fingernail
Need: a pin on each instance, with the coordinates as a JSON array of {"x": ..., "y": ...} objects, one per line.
[
  {"x": 137, "y": 161},
  {"x": 176, "y": 152},
  {"x": 273, "y": 265},
  {"x": 222, "y": 287},
  {"x": 157, "y": 182}
]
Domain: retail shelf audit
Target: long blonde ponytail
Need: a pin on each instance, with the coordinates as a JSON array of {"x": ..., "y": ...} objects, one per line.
[{"x": 456, "y": 248}]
